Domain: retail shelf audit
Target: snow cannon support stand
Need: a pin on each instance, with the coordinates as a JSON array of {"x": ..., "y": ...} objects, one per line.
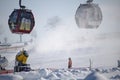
[
  {"x": 25, "y": 68},
  {"x": 20, "y": 62}
]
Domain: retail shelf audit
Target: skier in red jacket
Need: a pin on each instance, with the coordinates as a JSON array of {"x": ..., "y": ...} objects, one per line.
[{"x": 69, "y": 63}]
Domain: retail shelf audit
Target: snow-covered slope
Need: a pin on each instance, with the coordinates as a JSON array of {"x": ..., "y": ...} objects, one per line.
[{"x": 65, "y": 74}]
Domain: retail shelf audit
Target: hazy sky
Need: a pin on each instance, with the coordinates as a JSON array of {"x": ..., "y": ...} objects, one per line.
[
  {"x": 46, "y": 11},
  {"x": 55, "y": 22},
  {"x": 55, "y": 28}
]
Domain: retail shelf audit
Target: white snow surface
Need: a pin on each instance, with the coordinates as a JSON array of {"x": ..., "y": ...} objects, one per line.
[
  {"x": 65, "y": 74},
  {"x": 11, "y": 77},
  {"x": 95, "y": 76}
]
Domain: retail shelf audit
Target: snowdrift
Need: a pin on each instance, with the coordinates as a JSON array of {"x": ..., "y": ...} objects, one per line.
[
  {"x": 11, "y": 77},
  {"x": 65, "y": 74},
  {"x": 95, "y": 76}
]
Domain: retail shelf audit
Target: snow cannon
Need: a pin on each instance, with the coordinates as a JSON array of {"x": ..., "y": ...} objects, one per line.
[
  {"x": 21, "y": 21},
  {"x": 3, "y": 63},
  {"x": 20, "y": 62},
  {"x": 88, "y": 15}
]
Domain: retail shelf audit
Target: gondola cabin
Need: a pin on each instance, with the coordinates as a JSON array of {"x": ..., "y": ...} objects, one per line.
[
  {"x": 88, "y": 15},
  {"x": 21, "y": 21}
]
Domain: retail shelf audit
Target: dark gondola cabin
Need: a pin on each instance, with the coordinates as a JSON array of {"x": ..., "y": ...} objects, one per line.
[{"x": 21, "y": 21}]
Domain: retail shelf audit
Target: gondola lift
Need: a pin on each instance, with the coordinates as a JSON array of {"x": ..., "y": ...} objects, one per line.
[
  {"x": 21, "y": 21},
  {"x": 88, "y": 15}
]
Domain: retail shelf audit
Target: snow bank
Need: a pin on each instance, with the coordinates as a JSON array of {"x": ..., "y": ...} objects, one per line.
[
  {"x": 44, "y": 72},
  {"x": 11, "y": 77},
  {"x": 53, "y": 74},
  {"x": 32, "y": 75},
  {"x": 106, "y": 70},
  {"x": 116, "y": 77},
  {"x": 64, "y": 74},
  {"x": 95, "y": 76}
]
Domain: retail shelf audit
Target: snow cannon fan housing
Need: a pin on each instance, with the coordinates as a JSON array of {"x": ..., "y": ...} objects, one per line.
[
  {"x": 88, "y": 16},
  {"x": 21, "y": 21}
]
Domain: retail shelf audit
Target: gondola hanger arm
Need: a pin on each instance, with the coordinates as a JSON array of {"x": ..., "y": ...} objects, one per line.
[
  {"x": 21, "y": 6},
  {"x": 89, "y": 1}
]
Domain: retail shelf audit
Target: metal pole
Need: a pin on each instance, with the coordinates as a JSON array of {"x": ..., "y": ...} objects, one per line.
[
  {"x": 20, "y": 37},
  {"x": 90, "y": 66},
  {"x": 21, "y": 6}
]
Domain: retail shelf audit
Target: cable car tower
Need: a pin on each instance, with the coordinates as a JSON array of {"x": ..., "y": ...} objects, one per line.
[{"x": 21, "y": 21}]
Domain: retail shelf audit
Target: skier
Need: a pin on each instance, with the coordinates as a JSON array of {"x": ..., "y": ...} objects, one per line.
[
  {"x": 69, "y": 63},
  {"x": 20, "y": 61}
]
